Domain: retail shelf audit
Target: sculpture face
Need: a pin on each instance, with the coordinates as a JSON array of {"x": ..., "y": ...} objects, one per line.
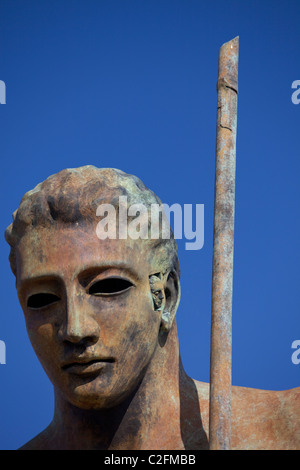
[{"x": 89, "y": 312}]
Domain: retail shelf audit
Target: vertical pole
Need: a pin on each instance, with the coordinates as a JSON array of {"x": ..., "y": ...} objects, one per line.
[{"x": 221, "y": 324}]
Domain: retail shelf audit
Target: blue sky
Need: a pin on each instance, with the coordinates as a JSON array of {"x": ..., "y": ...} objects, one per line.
[{"x": 132, "y": 85}]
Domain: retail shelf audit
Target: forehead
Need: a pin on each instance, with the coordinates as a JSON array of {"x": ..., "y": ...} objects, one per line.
[{"x": 66, "y": 251}]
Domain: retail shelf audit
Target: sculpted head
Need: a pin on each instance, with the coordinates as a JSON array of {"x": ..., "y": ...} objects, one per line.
[{"x": 96, "y": 310}]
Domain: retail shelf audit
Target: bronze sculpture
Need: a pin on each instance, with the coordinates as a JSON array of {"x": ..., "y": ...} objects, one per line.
[{"x": 100, "y": 315}]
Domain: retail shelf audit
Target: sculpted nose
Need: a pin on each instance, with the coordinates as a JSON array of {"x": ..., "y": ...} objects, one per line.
[{"x": 79, "y": 325}]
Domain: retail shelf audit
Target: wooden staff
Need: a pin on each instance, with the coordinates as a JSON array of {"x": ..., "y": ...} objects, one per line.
[{"x": 221, "y": 324}]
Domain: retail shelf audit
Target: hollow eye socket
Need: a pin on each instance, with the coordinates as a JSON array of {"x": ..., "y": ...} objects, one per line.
[
  {"x": 110, "y": 286},
  {"x": 41, "y": 300}
]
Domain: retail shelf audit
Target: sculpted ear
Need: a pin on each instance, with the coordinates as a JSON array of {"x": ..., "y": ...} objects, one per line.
[
  {"x": 166, "y": 296},
  {"x": 172, "y": 298}
]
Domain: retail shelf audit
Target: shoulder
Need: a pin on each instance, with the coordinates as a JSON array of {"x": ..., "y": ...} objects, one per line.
[
  {"x": 261, "y": 419},
  {"x": 40, "y": 442},
  {"x": 265, "y": 419}
]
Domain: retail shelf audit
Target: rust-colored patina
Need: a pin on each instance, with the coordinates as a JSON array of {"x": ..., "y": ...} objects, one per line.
[
  {"x": 221, "y": 337},
  {"x": 100, "y": 315}
]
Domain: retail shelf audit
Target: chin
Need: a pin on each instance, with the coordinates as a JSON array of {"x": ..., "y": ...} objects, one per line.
[{"x": 90, "y": 397}]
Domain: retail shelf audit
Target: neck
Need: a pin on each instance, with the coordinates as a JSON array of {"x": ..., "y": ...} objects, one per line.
[{"x": 157, "y": 415}]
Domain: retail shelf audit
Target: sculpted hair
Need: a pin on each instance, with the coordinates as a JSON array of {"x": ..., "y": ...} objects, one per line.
[{"x": 72, "y": 197}]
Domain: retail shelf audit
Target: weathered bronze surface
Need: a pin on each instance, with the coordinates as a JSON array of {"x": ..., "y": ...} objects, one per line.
[
  {"x": 100, "y": 315},
  {"x": 221, "y": 315}
]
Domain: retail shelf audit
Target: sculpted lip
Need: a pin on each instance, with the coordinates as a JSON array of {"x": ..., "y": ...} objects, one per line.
[{"x": 84, "y": 366}]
